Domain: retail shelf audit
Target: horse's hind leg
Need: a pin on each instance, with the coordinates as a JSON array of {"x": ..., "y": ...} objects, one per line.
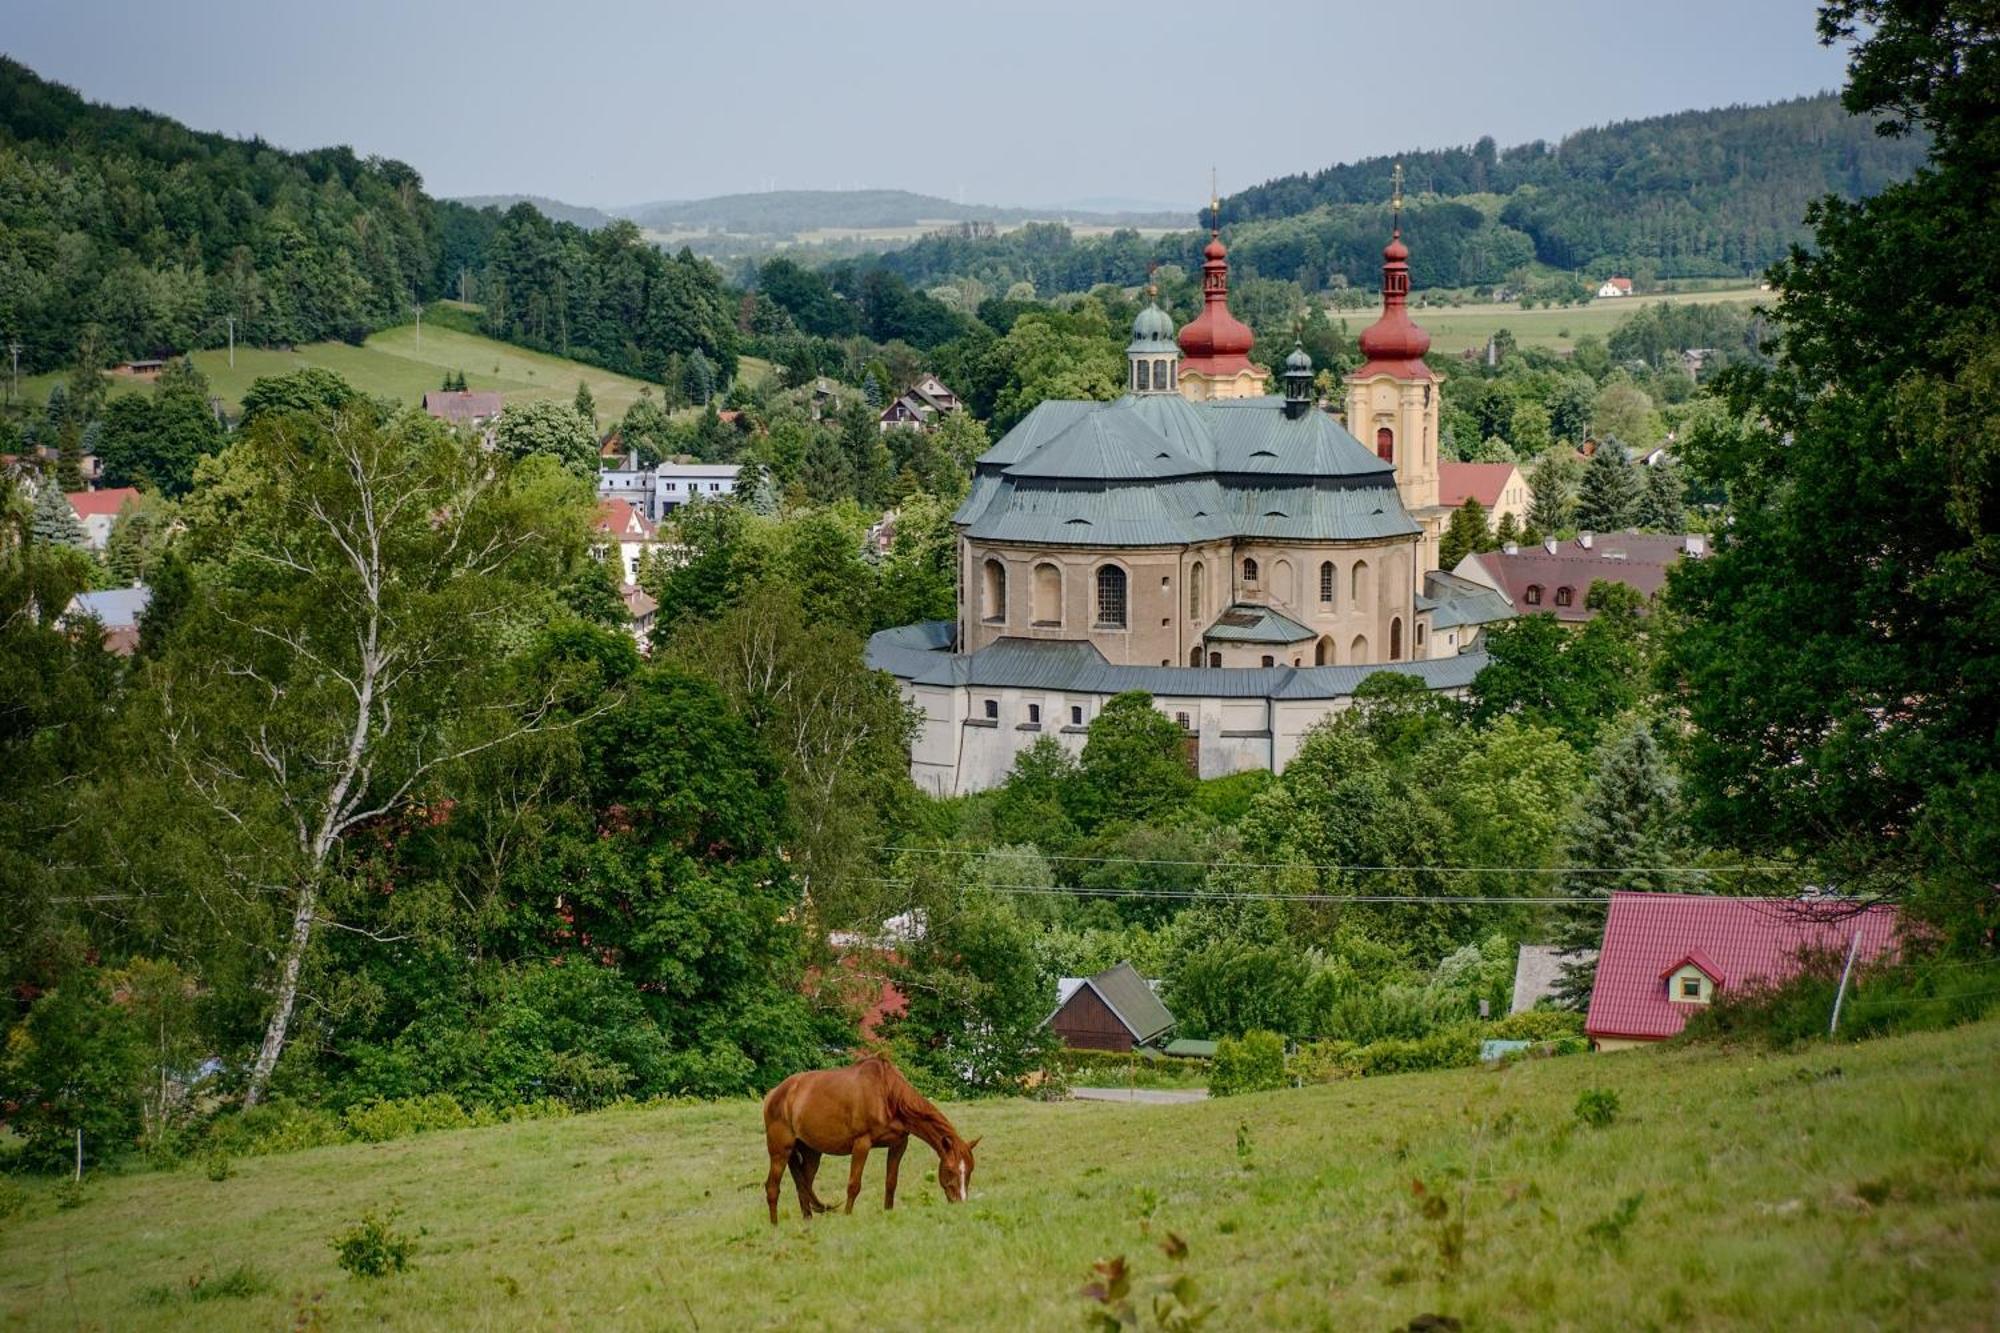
[
  {"x": 861, "y": 1146},
  {"x": 805, "y": 1166}
]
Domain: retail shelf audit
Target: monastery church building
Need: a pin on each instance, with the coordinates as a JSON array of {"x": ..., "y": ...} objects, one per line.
[{"x": 1242, "y": 557}]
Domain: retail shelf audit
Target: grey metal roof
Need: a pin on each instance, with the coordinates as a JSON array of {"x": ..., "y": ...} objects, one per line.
[
  {"x": 114, "y": 608},
  {"x": 1128, "y": 996},
  {"x": 1159, "y": 470},
  {"x": 1074, "y": 666},
  {"x": 1459, "y": 601},
  {"x": 1244, "y": 623}
]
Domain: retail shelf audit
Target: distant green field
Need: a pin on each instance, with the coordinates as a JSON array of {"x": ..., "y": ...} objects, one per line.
[
  {"x": 1454, "y": 329},
  {"x": 402, "y": 364},
  {"x": 1849, "y": 1186}
]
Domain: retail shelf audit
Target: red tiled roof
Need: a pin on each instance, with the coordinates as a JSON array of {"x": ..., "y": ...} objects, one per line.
[
  {"x": 108, "y": 501},
  {"x": 1459, "y": 482},
  {"x": 618, "y": 518},
  {"x": 1639, "y": 560},
  {"x": 462, "y": 405},
  {"x": 1736, "y": 941}
]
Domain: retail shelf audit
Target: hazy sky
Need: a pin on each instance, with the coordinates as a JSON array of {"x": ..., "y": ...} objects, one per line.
[{"x": 621, "y": 101}]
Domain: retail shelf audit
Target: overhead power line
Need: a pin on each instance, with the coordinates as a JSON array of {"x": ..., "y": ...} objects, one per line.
[
  {"x": 1367, "y": 869},
  {"x": 1255, "y": 895}
]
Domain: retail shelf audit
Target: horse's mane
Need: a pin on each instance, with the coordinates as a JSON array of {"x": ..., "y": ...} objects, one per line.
[{"x": 913, "y": 1107}]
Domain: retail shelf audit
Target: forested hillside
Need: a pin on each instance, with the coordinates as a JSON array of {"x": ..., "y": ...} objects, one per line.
[
  {"x": 124, "y": 233},
  {"x": 1697, "y": 194}
]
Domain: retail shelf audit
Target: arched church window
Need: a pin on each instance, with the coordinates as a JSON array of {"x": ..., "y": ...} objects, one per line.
[
  {"x": 1197, "y": 577},
  {"x": 1110, "y": 597},
  {"x": 1385, "y": 444},
  {"x": 1249, "y": 570},
  {"x": 1357, "y": 586},
  {"x": 1396, "y": 639},
  {"x": 1326, "y": 582},
  {"x": 1048, "y": 594},
  {"x": 995, "y": 599}
]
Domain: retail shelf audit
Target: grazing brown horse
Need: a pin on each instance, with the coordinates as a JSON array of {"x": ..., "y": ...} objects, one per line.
[{"x": 843, "y": 1112}]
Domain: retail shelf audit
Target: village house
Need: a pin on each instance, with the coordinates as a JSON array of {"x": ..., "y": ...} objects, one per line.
[
  {"x": 1244, "y": 558},
  {"x": 1666, "y": 956},
  {"x": 98, "y": 511},
  {"x": 656, "y": 492},
  {"x": 618, "y": 523},
  {"x": 474, "y": 409},
  {"x": 117, "y": 612},
  {"x": 1500, "y": 488},
  {"x": 919, "y": 406},
  {"x": 640, "y": 612},
  {"x": 1116, "y": 1010},
  {"x": 1555, "y": 577},
  {"x": 1615, "y": 287}
]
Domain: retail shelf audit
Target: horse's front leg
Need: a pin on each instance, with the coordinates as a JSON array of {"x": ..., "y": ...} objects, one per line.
[
  {"x": 779, "y": 1157},
  {"x": 861, "y": 1147},
  {"x": 895, "y": 1160}
]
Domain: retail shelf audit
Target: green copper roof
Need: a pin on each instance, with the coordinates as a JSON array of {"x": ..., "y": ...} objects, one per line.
[
  {"x": 1159, "y": 470},
  {"x": 1153, "y": 332},
  {"x": 1256, "y": 624}
]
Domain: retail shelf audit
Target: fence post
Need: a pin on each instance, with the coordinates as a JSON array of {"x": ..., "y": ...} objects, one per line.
[{"x": 1853, "y": 946}]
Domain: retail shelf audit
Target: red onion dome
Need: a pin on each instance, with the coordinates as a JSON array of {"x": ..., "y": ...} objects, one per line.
[
  {"x": 1394, "y": 344},
  {"x": 1215, "y": 336}
]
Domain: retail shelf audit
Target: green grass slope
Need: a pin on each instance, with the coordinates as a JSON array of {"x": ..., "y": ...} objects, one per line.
[
  {"x": 1455, "y": 329},
  {"x": 1852, "y": 1187},
  {"x": 402, "y": 364}
]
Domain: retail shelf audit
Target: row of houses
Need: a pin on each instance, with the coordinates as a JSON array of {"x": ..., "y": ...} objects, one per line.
[{"x": 1664, "y": 958}]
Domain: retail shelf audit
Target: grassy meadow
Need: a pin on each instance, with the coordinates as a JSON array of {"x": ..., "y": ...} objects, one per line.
[
  {"x": 1453, "y": 329},
  {"x": 1846, "y": 1187},
  {"x": 400, "y": 363}
]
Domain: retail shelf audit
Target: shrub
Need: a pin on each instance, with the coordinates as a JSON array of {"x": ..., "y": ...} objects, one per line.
[
  {"x": 378, "y": 1121},
  {"x": 1324, "y": 1062},
  {"x": 373, "y": 1247},
  {"x": 279, "y": 1125},
  {"x": 1254, "y": 1062},
  {"x": 1536, "y": 1025},
  {"x": 1597, "y": 1107},
  {"x": 1452, "y": 1048},
  {"x": 1909, "y": 997}
]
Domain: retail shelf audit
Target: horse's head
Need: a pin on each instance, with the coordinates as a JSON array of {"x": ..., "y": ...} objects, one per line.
[{"x": 955, "y": 1168}]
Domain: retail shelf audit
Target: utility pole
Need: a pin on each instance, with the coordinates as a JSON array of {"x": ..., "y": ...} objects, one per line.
[
  {"x": 1853, "y": 946},
  {"x": 14, "y": 389},
  {"x": 420, "y": 323},
  {"x": 232, "y": 340}
]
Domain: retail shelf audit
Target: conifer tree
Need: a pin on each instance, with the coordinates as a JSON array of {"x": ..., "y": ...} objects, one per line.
[
  {"x": 1465, "y": 534},
  {"x": 54, "y": 521},
  {"x": 698, "y": 378},
  {"x": 1509, "y": 529},
  {"x": 586, "y": 405},
  {"x": 1624, "y": 825},
  {"x": 1607, "y": 499},
  {"x": 69, "y": 458},
  {"x": 1660, "y": 506},
  {"x": 1553, "y": 482}
]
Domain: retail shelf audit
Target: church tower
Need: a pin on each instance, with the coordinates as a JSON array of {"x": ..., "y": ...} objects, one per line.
[
  {"x": 1215, "y": 345},
  {"x": 1151, "y": 358},
  {"x": 1392, "y": 401}
]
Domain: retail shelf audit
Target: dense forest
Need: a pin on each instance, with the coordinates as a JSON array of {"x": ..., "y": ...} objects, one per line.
[
  {"x": 124, "y": 233},
  {"x": 1697, "y": 194}
]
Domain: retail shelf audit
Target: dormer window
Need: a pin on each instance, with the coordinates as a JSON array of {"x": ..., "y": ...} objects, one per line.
[
  {"x": 1564, "y": 596},
  {"x": 1692, "y": 980}
]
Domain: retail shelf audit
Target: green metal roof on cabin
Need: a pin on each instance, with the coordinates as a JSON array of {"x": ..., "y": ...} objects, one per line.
[
  {"x": 1190, "y": 1046},
  {"x": 1243, "y": 623},
  {"x": 1128, "y": 995},
  {"x": 1159, "y": 470}
]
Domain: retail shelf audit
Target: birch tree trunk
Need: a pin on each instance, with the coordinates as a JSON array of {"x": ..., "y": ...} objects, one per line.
[{"x": 286, "y": 998}]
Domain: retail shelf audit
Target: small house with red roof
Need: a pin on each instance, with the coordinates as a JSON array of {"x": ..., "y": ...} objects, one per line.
[
  {"x": 1666, "y": 956},
  {"x": 1500, "y": 489},
  {"x": 474, "y": 408},
  {"x": 1555, "y": 577},
  {"x": 619, "y": 521},
  {"x": 1615, "y": 287},
  {"x": 98, "y": 510}
]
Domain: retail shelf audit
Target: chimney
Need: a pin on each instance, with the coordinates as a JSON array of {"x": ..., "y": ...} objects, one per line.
[
  {"x": 1584, "y": 539},
  {"x": 1549, "y": 545},
  {"x": 1697, "y": 547},
  {"x": 1510, "y": 548}
]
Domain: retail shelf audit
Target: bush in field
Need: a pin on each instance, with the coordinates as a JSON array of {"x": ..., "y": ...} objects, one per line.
[
  {"x": 373, "y": 1247},
  {"x": 1450, "y": 1049},
  {"x": 1920, "y": 996},
  {"x": 1536, "y": 1025},
  {"x": 1254, "y": 1062},
  {"x": 1597, "y": 1107}
]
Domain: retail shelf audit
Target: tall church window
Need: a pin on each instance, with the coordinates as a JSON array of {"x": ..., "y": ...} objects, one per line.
[
  {"x": 1385, "y": 444},
  {"x": 1160, "y": 374},
  {"x": 1197, "y": 577},
  {"x": 1139, "y": 384},
  {"x": 995, "y": 600},
  {"x": 1110, "y": 597},
  {"x": 1048, "y": 594},
  {"x": 1326, "y": 575},
  {"x": 1249, "y": 570},
  {"x": 1357, "y": 586},
  {"x": 1396, "y": 639}
]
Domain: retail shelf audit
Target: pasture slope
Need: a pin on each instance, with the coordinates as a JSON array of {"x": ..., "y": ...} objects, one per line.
[
  {"x": 398, "y": 363},
  {"x": 1456, "y": 329},
  {"x": 1844, "y": 1187}
]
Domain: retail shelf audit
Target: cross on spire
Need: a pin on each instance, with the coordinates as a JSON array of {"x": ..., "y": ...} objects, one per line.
[
  {"x": 1396, "y": 195},
  {"x": 1214, "y": 205}
]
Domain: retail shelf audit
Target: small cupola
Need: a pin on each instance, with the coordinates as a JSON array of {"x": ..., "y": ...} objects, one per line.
[
  {"x": 1298, "y": 382},
  {"x": 1152, "y": 357}
]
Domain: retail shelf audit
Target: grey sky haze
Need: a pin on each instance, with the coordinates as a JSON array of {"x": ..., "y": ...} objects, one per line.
[{"x": 621, "y": 101}]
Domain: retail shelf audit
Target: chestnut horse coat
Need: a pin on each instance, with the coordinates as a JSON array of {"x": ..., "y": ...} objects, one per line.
[{"x": 845, "y": 1113}]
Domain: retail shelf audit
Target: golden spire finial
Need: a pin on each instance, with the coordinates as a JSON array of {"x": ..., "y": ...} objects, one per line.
[
  {"x": 1214, "y": 203},
  {"x": 1396, "y": 193}
]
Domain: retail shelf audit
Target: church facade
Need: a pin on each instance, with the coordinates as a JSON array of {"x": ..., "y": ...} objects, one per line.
[{"x": 1244, "y": 557}]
